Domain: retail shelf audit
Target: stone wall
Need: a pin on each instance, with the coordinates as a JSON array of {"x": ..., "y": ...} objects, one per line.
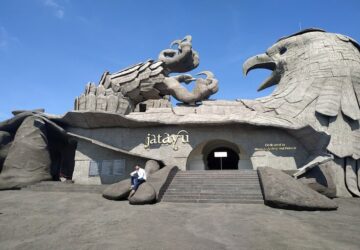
[{"x": 257, "y": 146}]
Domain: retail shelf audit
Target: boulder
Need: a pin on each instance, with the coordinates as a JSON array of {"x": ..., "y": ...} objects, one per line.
[
  {"x": 160, "y": 180},
  {"x": 145, "y": 194},
  {"x": 151, "y": 167},
  {"x": 320, "y": 179},
  {"x": 118, "y": 191},
  {"x": 28, "y": 160},
  {"x": 5, "y": 137},
  {"x": 5, "y": 143},
  {"x": 4, "y": 150},
  {"x": 282, "y": 191}
]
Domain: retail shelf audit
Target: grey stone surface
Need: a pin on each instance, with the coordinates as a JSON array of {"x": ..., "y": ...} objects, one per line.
[
  {"x": 317, "y": 78},
  {"x": 34, "y": 137},
  {"x": 159, "y": 179},
  {"x": 151, "y": 167},
  {"x": 91, "y": 98},
  {"x": 320, "y": 178},
  {"x": 282, "y": 191},
  {"x": 28, "y": 160},
  {"x": 4, "y": 150},
  {"x": 16, "y": 112},
  {"x": 5, "y": 143},
  {"x": 358, "y": 172},
  {"x": 151, "y": 80},
  {"x": 118, "y": 191},
  {"x": 338, "y": 173},
  {"x": 351, "y": 177},
  {"x": 317, "y": 75},
  {"x": 87, "y": 221},
  {"x": 152, "y": 190},
  {"x": 249, "y": 141},
  {"x": 145, "y": 194},
  {"x": 5, "y": 137}
]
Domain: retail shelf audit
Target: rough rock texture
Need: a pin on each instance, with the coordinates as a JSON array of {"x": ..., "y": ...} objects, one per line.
[
  {"x": 338, "y": 173},
  {"x": 151, "y": 167},
  {"x": 145, "y": 194},
  {"x": 160, "y": 179},
  {"x": 351, "y": 177},
  {"x": 151, "y": 191},
  {"x": 4, "y": 150},
  {"x": 28, "y": 160},
  {"x": 5, "y": 143},
  {"x": 148, "y": 192},
  {"x": 282, "y": 191},
  {"x": 118, "y": 191},
  {"x": 317, "y": 78},
  {"x": 358, "y": 172},
  {"x": 5, "y": 137},
  {"x": 320, "y": 179}
]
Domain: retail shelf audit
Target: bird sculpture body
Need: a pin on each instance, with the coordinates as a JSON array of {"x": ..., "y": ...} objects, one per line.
[{"x": 317, "y": 79}]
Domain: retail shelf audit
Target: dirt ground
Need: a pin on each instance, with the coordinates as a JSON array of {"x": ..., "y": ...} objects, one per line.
[{"x": 59, "y": 220}]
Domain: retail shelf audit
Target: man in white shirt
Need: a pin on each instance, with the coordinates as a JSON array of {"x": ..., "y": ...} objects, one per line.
[{"x": 137, "y": 177}]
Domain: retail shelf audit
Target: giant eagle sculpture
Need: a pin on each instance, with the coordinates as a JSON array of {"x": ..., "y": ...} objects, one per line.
[
  {"x": 121, "y": 91},
  {"x": 317, "y": 79}
]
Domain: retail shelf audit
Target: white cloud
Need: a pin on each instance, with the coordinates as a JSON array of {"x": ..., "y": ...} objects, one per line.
[
  {"x": 59, "y": 11},
  {"x": 6, "y": 39}
]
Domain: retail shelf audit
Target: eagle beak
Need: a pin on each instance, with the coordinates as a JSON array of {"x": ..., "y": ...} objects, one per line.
[{"x": 262, "y": 61}]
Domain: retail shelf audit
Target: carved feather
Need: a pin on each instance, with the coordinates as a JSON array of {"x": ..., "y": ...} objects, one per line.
[
  {"x": 156, "y": 64},
  {"x": 130, "y": 86},
  {"x": 145, "y": 74},
  {"x": 355, "y": 80},
  {"x": 340, "y": 143},
  {"x": 348, "y": 99},
  {"x": 146, "y": 65},
  {"x": 328, "y": 102},
  {"x": 125, "y": 78},
  {"x": 105, "y": 81},
  {"x": 355, "y": 142},
  {"x": 126, "y": 71},
  {"x": 157, "y": 71}
]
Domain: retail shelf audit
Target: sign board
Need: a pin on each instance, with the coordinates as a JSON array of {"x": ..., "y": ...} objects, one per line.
[{"x": 220, "y": 154}]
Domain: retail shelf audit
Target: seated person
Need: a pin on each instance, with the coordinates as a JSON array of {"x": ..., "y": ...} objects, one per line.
[{"x": 137, "y": 177}]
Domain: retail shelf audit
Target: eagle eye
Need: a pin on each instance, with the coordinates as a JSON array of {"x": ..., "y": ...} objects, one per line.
[{"x": 282, "y": 50}]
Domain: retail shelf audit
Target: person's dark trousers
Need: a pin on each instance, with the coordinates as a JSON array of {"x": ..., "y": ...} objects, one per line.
[{"x": 135, "y": 181}]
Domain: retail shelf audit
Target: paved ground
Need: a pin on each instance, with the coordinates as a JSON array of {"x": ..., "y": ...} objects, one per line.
[{"x": 59, "y": 220}]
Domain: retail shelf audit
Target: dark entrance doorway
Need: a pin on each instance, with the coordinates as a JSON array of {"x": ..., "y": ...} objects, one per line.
[{"x": 229, "y": 162}]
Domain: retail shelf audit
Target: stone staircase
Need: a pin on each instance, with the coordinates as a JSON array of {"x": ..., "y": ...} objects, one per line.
[{"x": 227, "y": 186}]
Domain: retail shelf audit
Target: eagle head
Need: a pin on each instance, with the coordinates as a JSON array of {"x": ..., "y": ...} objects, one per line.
[{"x": 313, "y": 65}]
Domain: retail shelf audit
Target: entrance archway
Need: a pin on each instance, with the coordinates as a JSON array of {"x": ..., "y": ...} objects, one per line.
[
  {"x": 222, "y": 163},
  {"x": 198, "y": 157}
]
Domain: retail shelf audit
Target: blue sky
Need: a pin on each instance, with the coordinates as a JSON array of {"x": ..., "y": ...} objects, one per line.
[{"x": 49, "y": 49}]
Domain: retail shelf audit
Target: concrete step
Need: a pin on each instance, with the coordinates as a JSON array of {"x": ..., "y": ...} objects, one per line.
[
  {"x": 212, "y": 192},
  {"x": 214, "y": 187},
  {"x": 238, "y": 201},
  {"x": 231, "y": 186},
  {"x": 215, "y": 182},
  {"x": 213, "y": 196}
]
